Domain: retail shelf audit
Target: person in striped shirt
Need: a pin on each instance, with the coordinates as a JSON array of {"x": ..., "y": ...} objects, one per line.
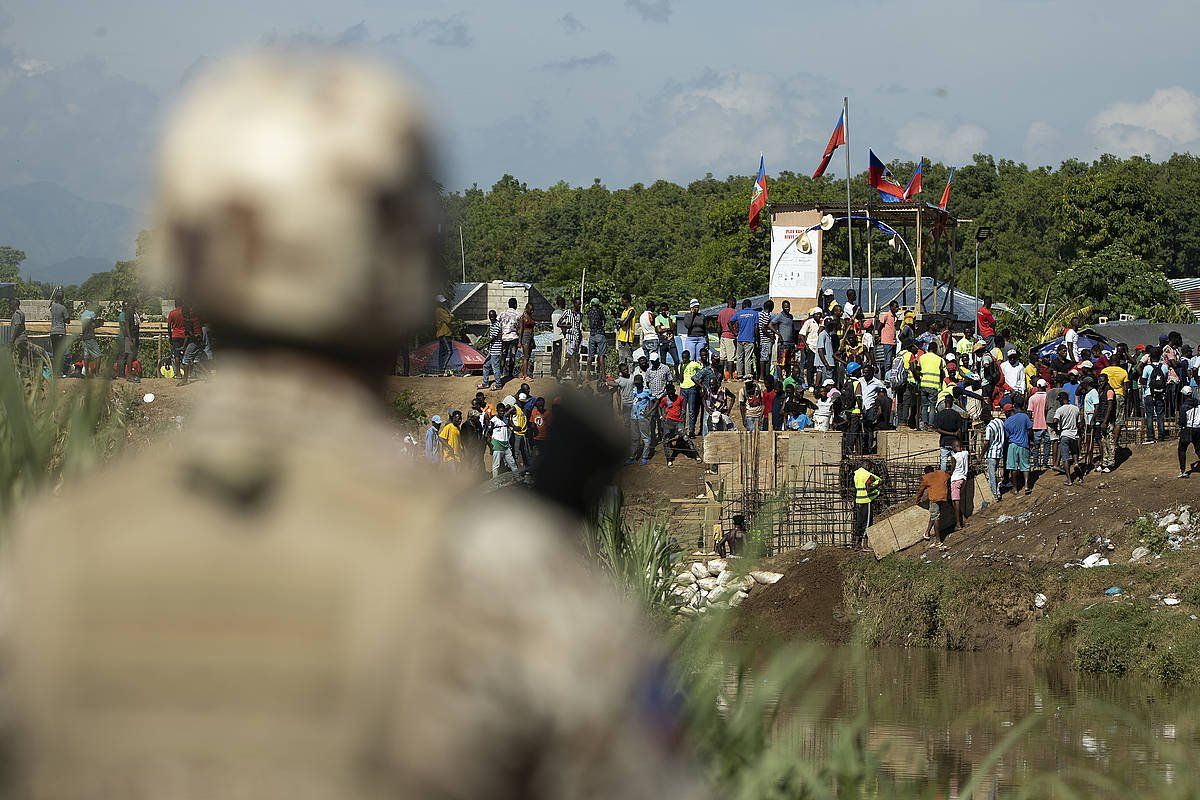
[
  {"x": 766, "y": 339},
  {"x": 495, "y": 349},
  {"x": 993, "y": 455}
]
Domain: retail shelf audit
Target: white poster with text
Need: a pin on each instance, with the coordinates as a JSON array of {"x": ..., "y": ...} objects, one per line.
[{"x": 794, "y": 267}]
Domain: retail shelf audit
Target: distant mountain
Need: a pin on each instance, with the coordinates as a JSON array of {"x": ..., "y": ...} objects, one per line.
[{"x": 65, "y": 237}]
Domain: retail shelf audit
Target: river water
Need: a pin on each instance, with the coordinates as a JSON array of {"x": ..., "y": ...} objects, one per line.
[{"x": 936, "y": 715}]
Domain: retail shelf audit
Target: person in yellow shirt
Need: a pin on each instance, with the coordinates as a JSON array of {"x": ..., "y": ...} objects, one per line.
[
  {"x": 626, "y": 324},
  {"x": 1117, "y": 379},
  {"x": 451, "y": 436},
  {"x": 443, "y": 320}
]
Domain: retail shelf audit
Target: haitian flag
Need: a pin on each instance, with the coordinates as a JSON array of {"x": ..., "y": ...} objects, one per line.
[
  {"x": 879, "y": 177},
  {"x": 946, "y": 192},
  {"x": 758, "y": 199},
  {"x": 914, "y": 183},
  {"x": 836, "y": 140}
]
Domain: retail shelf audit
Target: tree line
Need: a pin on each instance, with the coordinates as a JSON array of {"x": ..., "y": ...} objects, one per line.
[
  {"x": 674, "y": 242},
  {"x": 670, "y": 242}
]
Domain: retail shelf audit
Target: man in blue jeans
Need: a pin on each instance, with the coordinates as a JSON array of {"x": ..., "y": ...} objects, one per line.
[
  {"x": 1154, "y": 394},
  {"x": 495, "y": 349}
]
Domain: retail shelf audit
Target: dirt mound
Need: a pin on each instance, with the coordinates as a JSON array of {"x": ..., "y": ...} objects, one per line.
[
  {"x": 1059, "y": 523},
  {"x": 806, "y": 603}
]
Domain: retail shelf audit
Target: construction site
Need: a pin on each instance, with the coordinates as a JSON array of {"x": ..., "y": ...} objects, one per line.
[{"x": 796, "y": 488}]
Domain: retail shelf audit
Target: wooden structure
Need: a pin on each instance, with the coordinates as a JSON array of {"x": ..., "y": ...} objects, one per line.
[{"x": 921, "y": 225}]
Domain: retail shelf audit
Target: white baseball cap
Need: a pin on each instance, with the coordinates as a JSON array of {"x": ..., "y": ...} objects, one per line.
[
  {"x": 1186, "y": 390},
  {"x": 1042, "y": 382},
  {"x": 829, "y": 382},
  {"x": 694, "y": 304},
  {"x": 437, "y": 420},
  {"x": 509, "y": 400},
  {"x": 1011, "y": 352},
  {"x": 951, "y": 357},
  {"x": 654, "y": 357},
  {"x": 1085, "y": 365}
]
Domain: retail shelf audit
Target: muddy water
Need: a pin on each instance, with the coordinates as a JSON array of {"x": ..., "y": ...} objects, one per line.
[{"x": 937, "y": 715}]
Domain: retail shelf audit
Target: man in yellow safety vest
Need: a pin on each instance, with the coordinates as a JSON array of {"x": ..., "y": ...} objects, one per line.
[
  {"x": 933, "y": 376},
  {"x": 867, "y": 486}
]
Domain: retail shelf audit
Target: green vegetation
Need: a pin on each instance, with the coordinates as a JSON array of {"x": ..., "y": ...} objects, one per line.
[
  {"x": 674, "y": 242},
  {"x": 49, "y": 432}
]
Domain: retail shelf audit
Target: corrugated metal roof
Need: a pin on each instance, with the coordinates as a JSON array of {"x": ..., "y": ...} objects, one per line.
[{"x": 1184, "y": 284}]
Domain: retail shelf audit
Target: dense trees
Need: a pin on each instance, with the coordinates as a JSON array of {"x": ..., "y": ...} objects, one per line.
[
  {"x": 682, "y": 241},
  {"x": 1123, "y": 224}
]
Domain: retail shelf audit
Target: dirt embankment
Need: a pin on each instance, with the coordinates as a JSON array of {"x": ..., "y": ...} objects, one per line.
[{"x": 978, "y": 590}]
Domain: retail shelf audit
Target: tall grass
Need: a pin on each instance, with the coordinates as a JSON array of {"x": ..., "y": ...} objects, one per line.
[{"x": 51, "y": 430}]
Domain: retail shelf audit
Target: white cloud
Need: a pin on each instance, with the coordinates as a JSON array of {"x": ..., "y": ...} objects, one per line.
[
  {"x": 1043, "y": 143},
  {"x": 651, "y": 10},
  {"x": 720, "y": 121},
  {"x": 1168, "y": 122},
  {"x": 935, "y": 139}
]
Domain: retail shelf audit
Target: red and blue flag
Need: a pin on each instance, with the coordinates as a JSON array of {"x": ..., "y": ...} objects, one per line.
[
  {"x": 880, "y": 178},
  {"x": 946, "y": 192},
  {"x": 836, "y": 140},
  {"x": 914, "y": 183},
  {"x": 758, "y": 198}
]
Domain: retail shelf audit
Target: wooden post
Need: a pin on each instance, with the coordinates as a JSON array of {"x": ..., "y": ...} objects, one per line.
[{"x": 920, "y": 266}]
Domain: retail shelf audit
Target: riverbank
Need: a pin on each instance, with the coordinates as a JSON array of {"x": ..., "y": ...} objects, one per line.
[{"x": 1013, "y": 580}]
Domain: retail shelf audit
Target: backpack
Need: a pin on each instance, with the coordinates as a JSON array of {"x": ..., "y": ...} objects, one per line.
[
  {"x": 1158, "y": 379},
  {"x": 896, "y": 376}
]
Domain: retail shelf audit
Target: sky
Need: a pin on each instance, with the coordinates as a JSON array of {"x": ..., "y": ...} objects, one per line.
[{"x": 628, "y": 90}]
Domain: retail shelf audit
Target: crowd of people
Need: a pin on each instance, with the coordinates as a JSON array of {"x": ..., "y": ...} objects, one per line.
[{"x": 841, "y": 368}]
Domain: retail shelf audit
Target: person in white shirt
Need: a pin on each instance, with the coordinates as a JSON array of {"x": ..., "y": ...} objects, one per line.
[
  {"x": 646, "y": 328},
  {"x": 958, "y": 476},
  {"x": 1071, "y": 341},
  {"x": 556, "y": 335},
  {"x": 1014, "y": 373}
]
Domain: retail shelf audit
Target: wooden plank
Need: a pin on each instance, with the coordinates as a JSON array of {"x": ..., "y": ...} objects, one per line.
[
  {"x": 904, "y": 528},
  {"x": 814, "y": 447},
  {"x": 722, "y": 447}
]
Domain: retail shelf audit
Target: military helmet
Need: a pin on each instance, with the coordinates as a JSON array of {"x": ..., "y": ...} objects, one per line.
[{"x": 296, "y": 203}]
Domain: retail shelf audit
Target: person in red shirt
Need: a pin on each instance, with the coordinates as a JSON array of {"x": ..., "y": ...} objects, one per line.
[
  {"x": 539, "y": 423},
  {"x": 178, "y": 335},
  {"x": 986, "y": 321},
  {"x": 674, "y": 442},
  {"x": 728, "y": 336}
]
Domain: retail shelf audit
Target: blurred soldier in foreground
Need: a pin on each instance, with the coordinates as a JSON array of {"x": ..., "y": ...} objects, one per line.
[{"x": 293, "y": 611}]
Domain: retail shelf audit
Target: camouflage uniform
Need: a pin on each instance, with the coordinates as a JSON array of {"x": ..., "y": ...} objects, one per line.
[{"x": 295, "y": 612}]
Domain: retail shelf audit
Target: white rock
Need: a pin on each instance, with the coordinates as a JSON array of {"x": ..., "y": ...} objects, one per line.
[
  {"x": 707, "y": 584},
  {"x": 766, "y": 578},
  {"x": 1139, "y": 553},
  {"x": 685, "y": 579},
  {"x": 725, "y": 577},
  {"x": 1171, "y": 601},
  {"x": 699, "y": 571},
  {"x": 742, "y": 584},
  {"x": 1040, "y": 600},
  {"x": 1185, "y": 518},
  {"x": 687, "y": 611},
  {"x": 1095, "y": 560},
  {"x": 737, "y": 599},
  {"x": 717, "y": 593},
  {"x": 696, "y": 601},
  {"x": 809, "y": 546},
  {"x": 717, "y": 566},
  {"x": 1167, "y": 520},
  {"x": 1174, "y": 529}
]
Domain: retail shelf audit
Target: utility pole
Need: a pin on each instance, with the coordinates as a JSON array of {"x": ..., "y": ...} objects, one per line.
[{"x": 980, "y": 235}]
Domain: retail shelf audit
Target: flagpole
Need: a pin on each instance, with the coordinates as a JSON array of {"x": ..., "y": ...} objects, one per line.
[{"x": 849, "y": 212}]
